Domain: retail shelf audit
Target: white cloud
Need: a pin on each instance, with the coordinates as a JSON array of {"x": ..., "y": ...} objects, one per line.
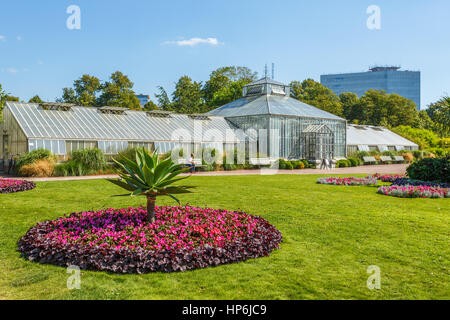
[
  {"x": 195, "y": 41},
  {"x": 2, "y": 38},
  {"x": 40, "y": 62},
  {"x": 19, "y": 38},
  {"x": 12, "y": 70}
]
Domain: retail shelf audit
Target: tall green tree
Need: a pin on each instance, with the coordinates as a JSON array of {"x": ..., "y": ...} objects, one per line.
[
  {"x": 2, "y": 101},
  {"x": 35, "y": 99},
  {"x": 439, "y": 113},
  {"x": 314, "y": 93},
  {"x": 3, "y": 98},
  {"x": 351, "y": 107},
  {"x": 150, "y": 105},
  {"x": 187, "y": 97},
  {"x": 225, "y": 84},
  {"x": 163, "y": 99},
  {"x": 84, "y": 91},
  {"x": 389, "y": 110},
  {"x": 118, "y": 92}
]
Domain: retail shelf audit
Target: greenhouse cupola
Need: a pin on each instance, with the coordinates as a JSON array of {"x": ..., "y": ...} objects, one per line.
[{"x": 265, "y": 86}]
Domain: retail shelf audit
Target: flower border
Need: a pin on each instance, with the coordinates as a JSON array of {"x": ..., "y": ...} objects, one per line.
[
  {"x": 349, "y": 181},
  {"x": 19, "y": 186}
]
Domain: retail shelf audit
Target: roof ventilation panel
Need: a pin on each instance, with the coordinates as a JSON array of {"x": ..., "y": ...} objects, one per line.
[
  {"x": 160, "y": 113},
  {"x": 56, "y": 106},
  {"x": 112, "y": 110}
]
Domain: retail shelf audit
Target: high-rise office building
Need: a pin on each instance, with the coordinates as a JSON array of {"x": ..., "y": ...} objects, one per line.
[{"x": 390, "y": 79}]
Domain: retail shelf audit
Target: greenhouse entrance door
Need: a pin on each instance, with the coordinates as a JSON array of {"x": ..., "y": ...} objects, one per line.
[{"x": 318, "y": 142}]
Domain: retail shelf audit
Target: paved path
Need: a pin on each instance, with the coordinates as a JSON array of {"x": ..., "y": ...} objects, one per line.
[{"x": 382, "y": 169}]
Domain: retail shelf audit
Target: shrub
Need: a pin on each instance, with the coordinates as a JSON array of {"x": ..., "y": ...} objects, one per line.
[
  {"x": 39, "y": 168},
  {"x": 408, "y": 156},
  {"x": 362, "y": 154},
  {"x": 308, "y": 164},
  {"x": 33, "y": 156},
  {"x": 180, "y": 239},
  {"x": 12, "y": 185},
  {"x": 429, "y": 169},
  {"x": 343, "y": 163},
  {"x": 423, "y": 137},
  {"x": 92, "y": 159},
  {"x": 71, "y": 168},
  {"x": 439, "y": 152},
  {"x": 297, "y": 164},
  {"x": 354, "y": 162}
]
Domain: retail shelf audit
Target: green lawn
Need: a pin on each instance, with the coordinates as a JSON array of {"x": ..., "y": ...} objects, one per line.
[{"x": 331, "y": 235}]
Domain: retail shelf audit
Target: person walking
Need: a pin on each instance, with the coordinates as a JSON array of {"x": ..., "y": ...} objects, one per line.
[{"x": 323, "y": 164}]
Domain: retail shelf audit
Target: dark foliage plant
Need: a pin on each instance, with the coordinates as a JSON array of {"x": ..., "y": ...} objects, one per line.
[{"x": 430, "y": 169}]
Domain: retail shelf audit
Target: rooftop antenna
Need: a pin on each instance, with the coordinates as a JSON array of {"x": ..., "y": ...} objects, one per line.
[
  {"x": 265, "y": 71},
  {"x": 273, "y": 71}
]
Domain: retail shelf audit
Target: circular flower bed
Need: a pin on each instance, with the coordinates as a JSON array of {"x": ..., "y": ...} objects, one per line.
[
  {"x": 11, "y": 185},
  {"x": 414, "y": 192},
  {"x": 119, "y": 240},
  {"x": 352, "y": 181}
]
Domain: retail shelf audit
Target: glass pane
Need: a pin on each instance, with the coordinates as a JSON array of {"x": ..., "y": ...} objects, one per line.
[{"x": 62, "y": 147}]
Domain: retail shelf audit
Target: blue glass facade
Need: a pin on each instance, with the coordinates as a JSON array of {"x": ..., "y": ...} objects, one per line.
[
  {"x": 143, "y": 99},
  {"x": 403, "y": 83}
]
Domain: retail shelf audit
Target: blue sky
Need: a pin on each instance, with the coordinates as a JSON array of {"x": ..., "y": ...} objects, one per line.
[{"x": 39, "y": 55}]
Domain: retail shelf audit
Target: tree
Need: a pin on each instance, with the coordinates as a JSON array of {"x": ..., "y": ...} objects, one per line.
[
  {"x": 35, "y": 99},
  {"x": 68, "y": 96},
  {"x": 2, "y": 101},
  {"x": 150, "y": 105},
  {"x": 118, "y": 92},
  {"x": 148, "y": 176},
  {"x": 163, "y": 99},
  {"x": 351, "y": 107},
  {"x": 84, "y": 91},
  {"x": 424, "y": 121},
  {"x": 424, "y": 138},
  {"x": 439, "y": 113},
  {"x": 3, "y": 98},
  {"x": 317, "y": 95},
  {"x": 225, "y": 82},
  {"x": 227, "y": 94},
  {"x": 389, "y": 110},
  {"x": 187, "y": 97}
]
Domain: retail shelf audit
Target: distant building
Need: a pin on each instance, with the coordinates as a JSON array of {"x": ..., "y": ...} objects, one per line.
[
  {"x": 390, "y": 79},
  {"x": 143, "y": 99}
]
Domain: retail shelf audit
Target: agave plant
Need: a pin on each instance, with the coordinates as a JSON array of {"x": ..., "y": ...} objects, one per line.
[{"x": 149, "y": 176}]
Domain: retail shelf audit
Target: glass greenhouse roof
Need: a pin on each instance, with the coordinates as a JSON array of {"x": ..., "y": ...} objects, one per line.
[
  {"x": 369, "y": 135},
  {"x": 89, "y": 123},
  {"x": 271, "y": 104}
]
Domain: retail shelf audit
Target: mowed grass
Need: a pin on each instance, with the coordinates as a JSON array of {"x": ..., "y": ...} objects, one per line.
[{"x": 332, "y": 234}]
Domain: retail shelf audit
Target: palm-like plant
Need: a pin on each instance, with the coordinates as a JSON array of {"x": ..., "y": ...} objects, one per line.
[{"x": 149, "y": 176}]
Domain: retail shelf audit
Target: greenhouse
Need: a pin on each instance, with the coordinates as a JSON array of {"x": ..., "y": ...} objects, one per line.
[
  {"x": 63, "y": 128},
  {"x": 371, "y": 138},
  {"x": 265, "y": 123},
  {"x": 286, "y": 123}
]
